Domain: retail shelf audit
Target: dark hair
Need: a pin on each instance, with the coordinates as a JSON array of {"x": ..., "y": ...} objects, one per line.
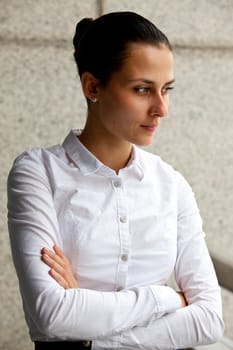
[{"x": 101, "y": 44}]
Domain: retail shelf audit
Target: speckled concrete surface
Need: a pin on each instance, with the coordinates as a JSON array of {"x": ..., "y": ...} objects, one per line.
[{"x": 41, "y": 100}]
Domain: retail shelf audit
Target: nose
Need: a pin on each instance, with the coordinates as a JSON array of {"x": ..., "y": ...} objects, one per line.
[{"x": 159, "y": 106}]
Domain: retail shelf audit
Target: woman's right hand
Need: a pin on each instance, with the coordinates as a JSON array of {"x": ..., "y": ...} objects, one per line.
[{"x": 60, "y": 267}]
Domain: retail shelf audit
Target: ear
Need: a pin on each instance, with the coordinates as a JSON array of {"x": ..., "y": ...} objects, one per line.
[{"x": 90, "y": 86}]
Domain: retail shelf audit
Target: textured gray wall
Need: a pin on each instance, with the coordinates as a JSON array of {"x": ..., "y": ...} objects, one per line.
[{"x": 40, "y": 100}]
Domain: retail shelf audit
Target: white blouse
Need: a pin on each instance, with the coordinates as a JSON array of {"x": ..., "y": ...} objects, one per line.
[{"x": 125, "y": 235}]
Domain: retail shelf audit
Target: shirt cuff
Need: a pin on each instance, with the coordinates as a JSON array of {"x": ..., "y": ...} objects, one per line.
[{"x": 167, "y": 300}]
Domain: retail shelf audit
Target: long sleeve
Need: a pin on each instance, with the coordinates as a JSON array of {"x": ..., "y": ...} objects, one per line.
[
  {"x": 201, "y": 322},
  {"x": 124, "y": 234},
  {"x": 58, "y": 313}
]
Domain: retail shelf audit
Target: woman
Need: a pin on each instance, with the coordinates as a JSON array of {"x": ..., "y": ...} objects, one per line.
[{"x": 110, "y": 221}]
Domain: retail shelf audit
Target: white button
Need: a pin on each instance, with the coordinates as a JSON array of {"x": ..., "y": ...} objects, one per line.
[
  {"x": 123, "y": 219},
  {"x": 119, "y": 289},
  {"x": 124, "y": 257},
  {"x": 117, "y": 183}
]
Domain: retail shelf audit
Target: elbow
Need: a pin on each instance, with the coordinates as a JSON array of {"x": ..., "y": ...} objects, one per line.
[
  {"x": 54, "y": 328},
  {"x": 213, "y": 328},
  {"x": 217, "y": 330},
  {"x": 50, "y": 317},
  {"x": 56, "y": 318},
  {"x": 50, "y": 326},
  {"x": 208, "y": 324}
]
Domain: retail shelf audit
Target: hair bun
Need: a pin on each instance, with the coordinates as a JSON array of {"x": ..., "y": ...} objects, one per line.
[{"x": 81, "y": 29}]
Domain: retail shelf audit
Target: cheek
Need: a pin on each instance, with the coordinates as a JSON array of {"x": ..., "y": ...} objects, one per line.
[
  {"x": 121, "y": 110},
  {"x": 117, "y": 108},
  {"x": 120, "y": 101}
]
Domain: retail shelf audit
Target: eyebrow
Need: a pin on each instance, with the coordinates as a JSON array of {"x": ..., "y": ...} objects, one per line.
[{"x": 147, "y": 81}]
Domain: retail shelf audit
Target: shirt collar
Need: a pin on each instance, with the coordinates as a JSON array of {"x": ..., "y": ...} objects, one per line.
[
  {"x": 88, "y": 163},
  {"x": 135, "y": 163}
]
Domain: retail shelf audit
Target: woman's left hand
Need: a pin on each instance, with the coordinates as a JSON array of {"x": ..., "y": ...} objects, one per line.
[{"x": 60, "y": 267}]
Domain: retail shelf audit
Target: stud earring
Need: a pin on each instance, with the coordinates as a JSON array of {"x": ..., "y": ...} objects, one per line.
[{"x": 93, "y": 99}]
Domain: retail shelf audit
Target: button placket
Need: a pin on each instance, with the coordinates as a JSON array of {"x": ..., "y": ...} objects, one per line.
[{"x": 122, "y": 270}]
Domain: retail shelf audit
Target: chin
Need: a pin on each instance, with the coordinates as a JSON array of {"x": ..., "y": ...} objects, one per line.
[{"x": 144, "y": 142}]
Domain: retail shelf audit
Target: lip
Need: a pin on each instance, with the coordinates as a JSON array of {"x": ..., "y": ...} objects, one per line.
[{"x": 150, "y": 127}]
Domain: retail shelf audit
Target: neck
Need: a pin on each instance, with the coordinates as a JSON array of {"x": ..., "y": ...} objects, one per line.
[{"x": 109, "y": 151}]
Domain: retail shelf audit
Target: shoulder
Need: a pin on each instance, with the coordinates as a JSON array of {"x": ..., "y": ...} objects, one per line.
[
  {"x": 169, "y": 179},
  {"x": 33, "y": 163},
  {"x": 157, "y": 169},
  {"x": 37, "y": 155},
  {"x": 154, "y": 164}
]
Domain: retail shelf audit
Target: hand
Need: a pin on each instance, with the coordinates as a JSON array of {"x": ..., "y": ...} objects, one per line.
[
  {"x": 182, "y": 298},
  {"x": 61, "y": 270}
]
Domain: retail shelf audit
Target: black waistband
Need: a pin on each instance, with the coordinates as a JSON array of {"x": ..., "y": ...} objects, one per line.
[{"x": 66, "y": 345}]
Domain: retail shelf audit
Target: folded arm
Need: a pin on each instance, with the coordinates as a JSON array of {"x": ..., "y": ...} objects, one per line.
[
  {"x": 201, "y": 322},
  {"x": 58, "y": 312}
]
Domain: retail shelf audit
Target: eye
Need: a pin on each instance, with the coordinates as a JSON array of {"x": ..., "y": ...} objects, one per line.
[
  {"x": 167, "y": 89},
  {"x": 142, "y": 90}
]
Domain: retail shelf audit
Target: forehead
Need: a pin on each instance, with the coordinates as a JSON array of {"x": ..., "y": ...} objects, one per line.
[{"x": 148, "y": 61}]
